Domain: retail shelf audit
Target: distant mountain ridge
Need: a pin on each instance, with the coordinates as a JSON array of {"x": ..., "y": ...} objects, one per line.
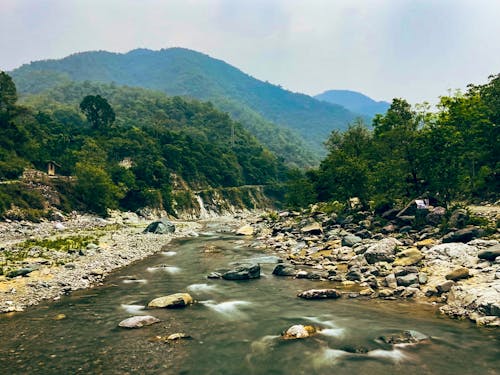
[
  {"x": 354, "y": 101},
  {"x": 302, "y": 121}
]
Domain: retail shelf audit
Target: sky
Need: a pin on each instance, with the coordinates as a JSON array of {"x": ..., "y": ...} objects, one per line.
[{"x": 412, "y": 49}]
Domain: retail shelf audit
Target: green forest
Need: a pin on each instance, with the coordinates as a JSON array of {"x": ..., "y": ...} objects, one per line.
[
  {"x": 449, "y": 153},
  {"x": 89, "y": 128}
]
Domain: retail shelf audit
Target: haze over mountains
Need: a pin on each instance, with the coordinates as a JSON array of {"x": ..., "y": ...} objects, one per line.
[
  {"x": 354, "y": 101},
  {"x": 292, "y": 125}
]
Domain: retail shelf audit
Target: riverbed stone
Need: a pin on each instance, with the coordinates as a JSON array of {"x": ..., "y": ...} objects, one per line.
[
  {"x": 320, "y": 294},
  {"x": 162, "y": 226},
  {"x": 384, "y": 293},
  {"x": 382, "y": 251},
  {"x": 283, "y": 269},
  {"x": 138, "y": 321},
  {"x": 172, "y": 301},
  {"x": 458, "y": 274},
  {"x": 408, "y": 257},
  {"x": 463, "y": 235},
  {"x": 445, "y": 286},
  {"x": 390, "y": 281},
  {"x": 490, "y": 254},
  {"x": 350, "y": 240},
  {"x": 244, "y": 271},
  {"x": 298, "y": 331},
  {"x": 20, "y": 272},
  {"x": 407, "y": 280},
  {"x": 313, "y": 228},
  {"x": 405, "y": 337},
  {"x": 245, "y": 230}
]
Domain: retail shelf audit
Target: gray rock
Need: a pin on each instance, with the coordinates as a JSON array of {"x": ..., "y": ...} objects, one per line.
[
  {"x": 390, "y": 281},
  {"x": 19, "y": 272},
  {"x": 382, "y": 251},
  {"x": 284, "y": 270},
  {"x": 162, "y": 226},
  {"x": 445, "y": 286},
  {"x": 138, "y": 321},
  {"x": 354, "y": 275},
  {"x": 458, "y": 218},
  {"x": 463, "y": 235},
  {"x": 407, "y": 280},
  {"x": 405, "y": 337},
  {"x": 458, "y": 274},
  {"x": 243, "y": 271},
  {"x": 351, "y": 240},
  {"x": 320, "y": 294},
  {"x": 490, "y": 253}
]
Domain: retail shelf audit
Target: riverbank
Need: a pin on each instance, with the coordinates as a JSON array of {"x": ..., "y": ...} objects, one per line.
[{"x": 106, "y": 245}]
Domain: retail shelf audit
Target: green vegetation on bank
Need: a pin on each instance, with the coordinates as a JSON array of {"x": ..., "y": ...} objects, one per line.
[
  {"x": 448, "y": 154},
  {"x": 123, "y": 144}
]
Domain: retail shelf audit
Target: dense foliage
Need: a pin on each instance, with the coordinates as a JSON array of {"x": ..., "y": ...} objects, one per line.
[
  {"x": 127, "y": 162},
  {"x": 452, "y": 153},
  {"x": 263, "y": 108}
]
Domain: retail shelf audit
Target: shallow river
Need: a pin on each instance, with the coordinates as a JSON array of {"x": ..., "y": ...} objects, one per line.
[{"x": 235, "y": 326}]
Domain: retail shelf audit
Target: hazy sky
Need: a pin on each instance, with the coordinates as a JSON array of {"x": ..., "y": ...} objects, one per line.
[{"x": 416, "y": 49}]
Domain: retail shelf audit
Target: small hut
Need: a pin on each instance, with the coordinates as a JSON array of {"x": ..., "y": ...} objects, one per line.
[{"x": 51, "y": 167}]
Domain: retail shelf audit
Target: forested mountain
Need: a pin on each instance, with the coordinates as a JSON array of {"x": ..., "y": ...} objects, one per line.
[
  {"x": 90, "y": 128},
  {"x": 178, "y": 71},
  {"x": 354, "y": 101}
]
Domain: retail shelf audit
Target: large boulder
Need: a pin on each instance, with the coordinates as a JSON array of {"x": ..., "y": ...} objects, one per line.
[
  {"x": 490, "y": 254},
  {"x": 463, "y": 235},
  {"x": 171, "y": 301},
  {"x": 244, "y": 271},
  {"x": 162, "y": 226},
  {"x": 298, "y": 331},
  {"x": 284, "y": 270},
  {"x": 382, "y": 251},
  {"x": 138, "y": 321},
  {"x": 320, "y": 294}
]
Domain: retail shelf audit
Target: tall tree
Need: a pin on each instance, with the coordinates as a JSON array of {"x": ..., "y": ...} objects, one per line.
[{"x": 98, "y": 111}]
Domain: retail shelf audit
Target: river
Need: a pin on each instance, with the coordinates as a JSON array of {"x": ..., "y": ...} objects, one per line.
[{"x": 235, "y": 326}]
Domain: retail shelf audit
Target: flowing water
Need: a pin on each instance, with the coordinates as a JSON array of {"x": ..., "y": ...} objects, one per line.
[{"x": 235, "y": 326}]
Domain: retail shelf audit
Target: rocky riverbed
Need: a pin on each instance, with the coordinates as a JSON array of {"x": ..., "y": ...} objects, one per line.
[
  {"x": 87, "y": 248},
  {"x": 389, "y": 258}
]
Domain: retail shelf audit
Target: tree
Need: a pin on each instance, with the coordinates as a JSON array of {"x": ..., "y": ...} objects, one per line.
[
  {"x": 98, "y": 111},
  {"x": 8, "y": 93}
]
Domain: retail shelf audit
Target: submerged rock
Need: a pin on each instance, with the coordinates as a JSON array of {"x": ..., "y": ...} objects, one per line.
[
  {"x": 138, "y": 321},
  {"x": 162, "y": 226},
  {"x": 244, "y": 271},
  {"x": 284, "y": 270},
  {"x": 320, "y": 294},
  {"x": 405, "y": 337},
  {"x": 298, "y": 331},
  {"x": 178, "y": 336},
  {"x": 171, "y": 301}
]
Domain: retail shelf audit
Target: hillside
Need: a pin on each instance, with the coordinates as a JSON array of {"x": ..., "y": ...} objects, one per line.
[
  {"x": 156, "y": 135},
  {"x": 354, "y": 101},
  {"x": 178, "y": 71}
]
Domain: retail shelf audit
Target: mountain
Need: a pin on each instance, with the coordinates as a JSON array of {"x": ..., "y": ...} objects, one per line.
[
  {"x": 301, "y": 121},
  {"x": 354, "y": 101}
]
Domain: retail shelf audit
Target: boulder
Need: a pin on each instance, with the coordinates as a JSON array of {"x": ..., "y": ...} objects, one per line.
[
  {"x": 298, "y": 331},
  {"x": 354, "y": 275},
  {"x": 313, "y": 228},
  {"x": 245, "y": 230},
  {"x": 382, "y": 251},
  {"x": 490, "y": 253},
  {"x": 445, "y": 286},
  {"x": 19, "y": 272},
  {"x": 408, "y": 257},
  {"x": 320, "y": 294},
  {"x": 463, "y": 235},
  {"x": 171, "y": 301},
  {"x": 435, "y": 216},
  {"x": 284, "y": 270},
  {"x": 384, "y": 293},
  {"x": 407, "y": 280},
  {"x": 350, "y": 240},
  {"x": 405, "y": 337},
  {"x": 458, "y": 218},
  {"x": 390, "y": 281},
  {"x": 244, "y": 271},
  {"x": 138, "y": 321},
  {"x": 458, "y": 274},
  {"x": 162, "y": 226}
]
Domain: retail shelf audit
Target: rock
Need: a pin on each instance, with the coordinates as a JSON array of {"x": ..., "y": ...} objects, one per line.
[
  {"x": 428, "y": 242},
  {"x": 97, "y": 272},
  {"x": 490, "y": 253},
  {"x": 408, "y": 257},
  {"x": 488, "y": 321},
  {"x": 354, "y": 275},
  {"x": 366, "y": 292},
  {"x": 243, "y": 271},
  {"x": 320, "y": 294},
  {"x": 458, "y": 274},
  {"x": 298, "y": 332},
  {"x": 385, "y": 293},
  {"x": 463, "y": 235},
  {"x": 314, "y": 228},
  {"x": 382, "y": 251},
  {"x": 178, "y": 336},
  {"x": 284, "y": 270},
  {"x": 162, "y": 226},
  {"x": 246, "y": 230},
  {"x": 214, "y": 275},
  {"x": 171, "y": 301},
  {"x": 435, "y": 216},
  {"x": 407, "y": 280},
  {"x": 19, "y": 272},
  {"x": 422, "y": 278},
  {"x": 138, "y": 321},
  {"x": 60, "y": 317},
  {"x": 390, "y": 281},
  {"x": 458, "y": 218},
  {"x": 445, "y": 286},
  {"x": 459, "y": 253},
  {"x": 350, "y": 240},
  {"x": 405, "y": 337}
]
